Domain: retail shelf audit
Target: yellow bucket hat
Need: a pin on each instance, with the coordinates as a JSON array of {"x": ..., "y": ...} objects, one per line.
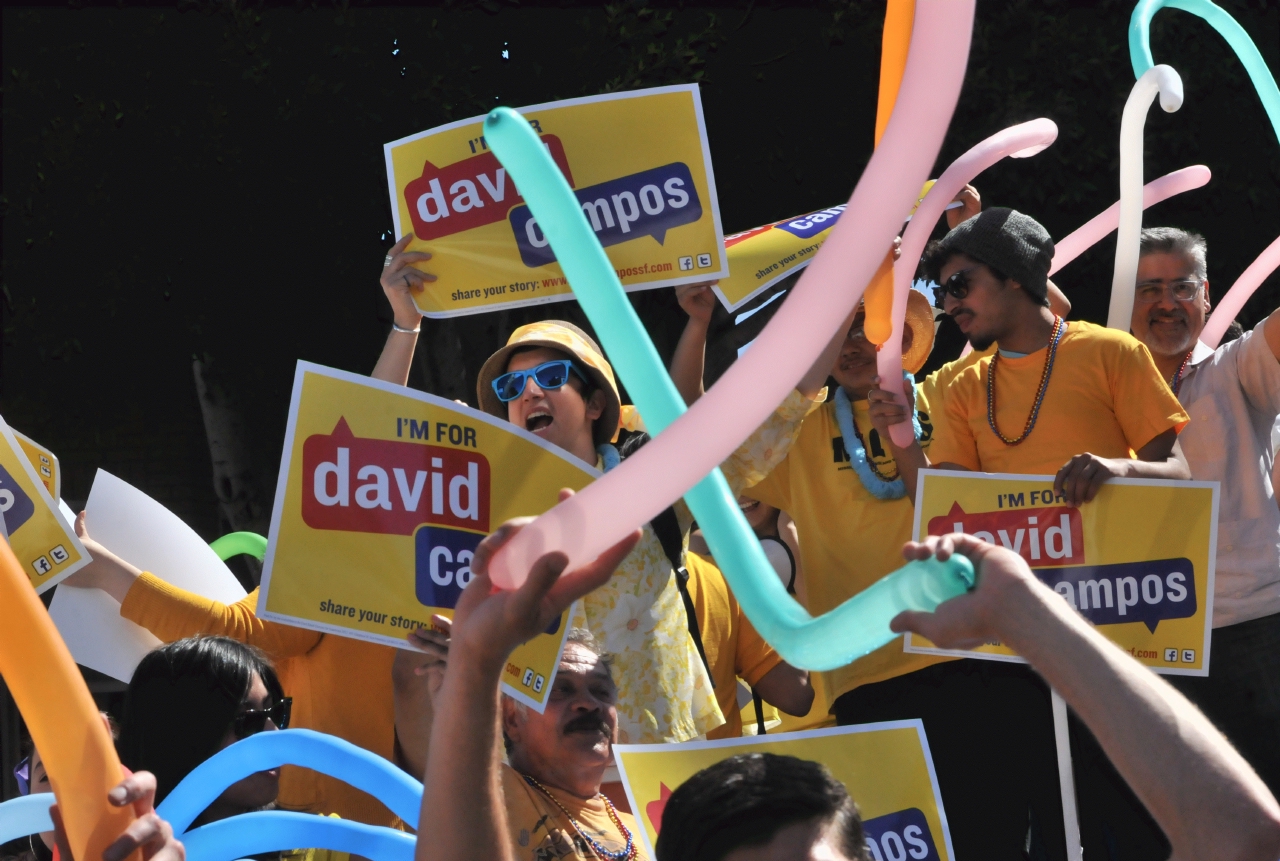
[{"x": 567, "y": 338}]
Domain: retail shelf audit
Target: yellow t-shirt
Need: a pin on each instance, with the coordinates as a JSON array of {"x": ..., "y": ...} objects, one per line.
[
  {"x": 1104, "y": 397},
  {"x": 540, "y": 831},
  {"x": 734, "y": 649},
  {"x": 849, "y": 538}
]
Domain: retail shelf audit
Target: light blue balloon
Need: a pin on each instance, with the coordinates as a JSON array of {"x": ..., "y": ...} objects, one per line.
[
  {"x": 855, "y": 628},
  {"x": 28, "y": 814},
  {"x": 1140, "y": 46},
  {"x": 235, "y": 543},
  {"x": 307, "y": 748},
  {"x": 279, "y": 830}
]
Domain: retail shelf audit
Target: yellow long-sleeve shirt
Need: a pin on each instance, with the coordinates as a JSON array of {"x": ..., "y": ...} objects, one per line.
[{"x": 339, "y": 685}]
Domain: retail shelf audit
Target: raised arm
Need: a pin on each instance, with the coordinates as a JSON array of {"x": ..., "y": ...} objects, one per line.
[
  {"x": 689, "y": 360},
  {"x": 1205, "y": 797},
  {"x": 171, "y": 613},
  {"x": 463, "y": 810},
  {"x": 400, "y": 281}
]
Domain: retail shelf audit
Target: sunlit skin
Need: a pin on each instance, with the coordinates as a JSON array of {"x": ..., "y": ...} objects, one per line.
[
  {"x": 257, "y": 790},
  {"x": 810, "y": 840},
  {"x": 855, "y": 367},
  {"x": 991, "y": 313},
  {"x": 1168, "y": 327},
  {"x": 567, "y": 746},
  {"x": 560, "y": 416},
  {"x": 761, "y": 517}
]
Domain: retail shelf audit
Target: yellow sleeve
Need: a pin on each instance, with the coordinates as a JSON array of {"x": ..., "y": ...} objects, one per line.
[
  {"x": 957, "y": 444},
  {"x": 755, "y": 657},
  {"x": 768, "y": 446},
  {"x": 171, "y": 614},
  {"x": 1143, "y": 403}
]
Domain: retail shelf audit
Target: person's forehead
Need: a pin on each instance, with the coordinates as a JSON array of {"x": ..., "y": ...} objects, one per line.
[
  {"x": 1158, "y": 262},
  {"x": 532, "y": 358},
  {"x": 578, "y": 660},
  {"x": 953, "y": 264}
]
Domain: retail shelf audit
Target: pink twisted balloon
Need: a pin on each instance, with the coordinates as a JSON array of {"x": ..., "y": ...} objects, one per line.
[
  {"x": 1239, "y": 293},
  {"x": 698, "y": 441}
]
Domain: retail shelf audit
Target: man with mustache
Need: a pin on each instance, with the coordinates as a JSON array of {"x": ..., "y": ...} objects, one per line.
[{"x": 1233, "y": 397}]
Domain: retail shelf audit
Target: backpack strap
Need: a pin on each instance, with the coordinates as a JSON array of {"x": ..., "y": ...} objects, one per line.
[{"x": 759, "y": 704}]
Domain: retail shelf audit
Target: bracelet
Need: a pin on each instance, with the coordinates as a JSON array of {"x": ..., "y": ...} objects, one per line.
[{"x": 397, "y": 328}]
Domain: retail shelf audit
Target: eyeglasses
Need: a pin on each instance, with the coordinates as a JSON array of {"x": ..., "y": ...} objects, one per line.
[
  {"x": 22, "y": 774},
  {"x": 548, "y": 376},
  {"x": 254, "y": 721},
  {"x": 1182, "y": 291},
  {"x": 957, "y": 285}
]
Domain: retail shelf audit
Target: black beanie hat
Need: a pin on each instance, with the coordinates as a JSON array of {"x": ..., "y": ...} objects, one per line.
[{"x": 1014, "y": 243}]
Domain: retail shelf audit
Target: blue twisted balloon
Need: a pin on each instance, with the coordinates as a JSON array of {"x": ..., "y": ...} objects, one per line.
[
  {"x": 858, "y": 626},
  {"x": 1140, "y": 46},
  {"x": 26, "y": 815},
  {"x": 307, "y": 748},
  {"x": 279, "y": 830}
]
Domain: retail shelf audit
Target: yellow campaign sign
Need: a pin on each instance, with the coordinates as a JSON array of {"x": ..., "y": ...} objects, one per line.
[
  {"x": 886, "y": 767},
  {"x": 638, "y": 162},
  {"x": 45, "y": 463},
  {"x": 44, "y": 543},
  {"x": 383, "y": 495},
  {"x": 1137, "y": 562},
  {"x": 763, "y": 256}
]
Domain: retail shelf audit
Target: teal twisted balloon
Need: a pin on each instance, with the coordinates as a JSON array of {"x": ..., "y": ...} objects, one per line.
[
  {"x": 1140, "y": 46},
  {"x": 853, "y": 629}
]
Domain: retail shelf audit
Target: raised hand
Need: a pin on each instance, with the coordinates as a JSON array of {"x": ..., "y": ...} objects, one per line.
[
  {"x": 401, "y": 280},
  {"x": 697, "y": 300}
]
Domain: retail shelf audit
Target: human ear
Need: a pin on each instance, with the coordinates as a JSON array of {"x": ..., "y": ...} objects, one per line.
[{"x": 595, "y": 405}]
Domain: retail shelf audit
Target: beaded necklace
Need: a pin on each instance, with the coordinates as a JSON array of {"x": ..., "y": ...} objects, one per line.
[
  {"x": 627, "y": 853},
  {"x": 1059, "y": 327},
  {"x": 878, "y": 484},
  {"x": 1176, "y": 382}
]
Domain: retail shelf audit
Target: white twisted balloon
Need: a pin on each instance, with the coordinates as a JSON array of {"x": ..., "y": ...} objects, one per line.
[{"x": 1160, "y": 79}]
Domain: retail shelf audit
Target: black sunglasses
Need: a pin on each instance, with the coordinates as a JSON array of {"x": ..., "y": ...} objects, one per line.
[
  {"x": 957, "y": 285},
  {"x": 254, "y": 721}
]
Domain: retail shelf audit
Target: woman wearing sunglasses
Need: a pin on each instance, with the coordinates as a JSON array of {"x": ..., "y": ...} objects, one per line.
[{"x": 192, "y": 698}]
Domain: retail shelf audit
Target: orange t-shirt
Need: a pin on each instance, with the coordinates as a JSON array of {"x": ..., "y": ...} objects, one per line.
[
  {"x": 540, "y": 831},
  {"x": 1104, "y": 397},
  {"x": 734, "y": 648}
]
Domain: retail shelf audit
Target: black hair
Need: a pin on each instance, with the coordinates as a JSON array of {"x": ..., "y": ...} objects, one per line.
[
  {"x": 747, "y": 799},
  {"x": 182, "y": 700}
]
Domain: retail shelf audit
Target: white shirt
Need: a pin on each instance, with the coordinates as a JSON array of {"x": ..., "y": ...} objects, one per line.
[{"x": 1233, "y": 397}]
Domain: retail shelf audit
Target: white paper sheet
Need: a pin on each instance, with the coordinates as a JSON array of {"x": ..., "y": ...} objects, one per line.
[{"x": 140, "y": 530}]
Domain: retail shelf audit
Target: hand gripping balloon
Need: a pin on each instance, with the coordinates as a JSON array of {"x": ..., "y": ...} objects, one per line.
[
  {"x": 1165, "y": 81},
  {"x": 28, "y": 814},
  {"x": 1140, "y": 46},
  {"x": 697, "y": 441},
  {"x": 1020, "y": 141},
  {"x": 1092, "y": 231},
  {"x": 1239, "y": 293},
  {"x": 279, "y": 830},
  {"x": 895, "y": 42},
  {"x": 64, "y": 722},
  {"x": 236, "y": 543},
  {"x": 302, "y": 747}
]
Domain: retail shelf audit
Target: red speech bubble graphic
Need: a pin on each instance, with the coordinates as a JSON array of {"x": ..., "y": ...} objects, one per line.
[
  {"x": 355, "y": 484},
  {"x": 1042, "y": 536},
  {"x": 654, "y": 809},
  {"x": 469, "y": 193}
]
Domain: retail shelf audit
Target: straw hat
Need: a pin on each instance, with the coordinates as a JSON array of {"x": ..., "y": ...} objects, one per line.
[
  {"x": 919, "y": 320},
  {"x": 567, "y": 338}
]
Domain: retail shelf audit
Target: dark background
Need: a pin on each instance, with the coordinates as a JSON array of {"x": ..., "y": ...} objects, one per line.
[{"x": 205, "y": 181}]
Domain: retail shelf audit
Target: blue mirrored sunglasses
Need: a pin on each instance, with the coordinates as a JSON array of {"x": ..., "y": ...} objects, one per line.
[{"x": 548, "y": 375}]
